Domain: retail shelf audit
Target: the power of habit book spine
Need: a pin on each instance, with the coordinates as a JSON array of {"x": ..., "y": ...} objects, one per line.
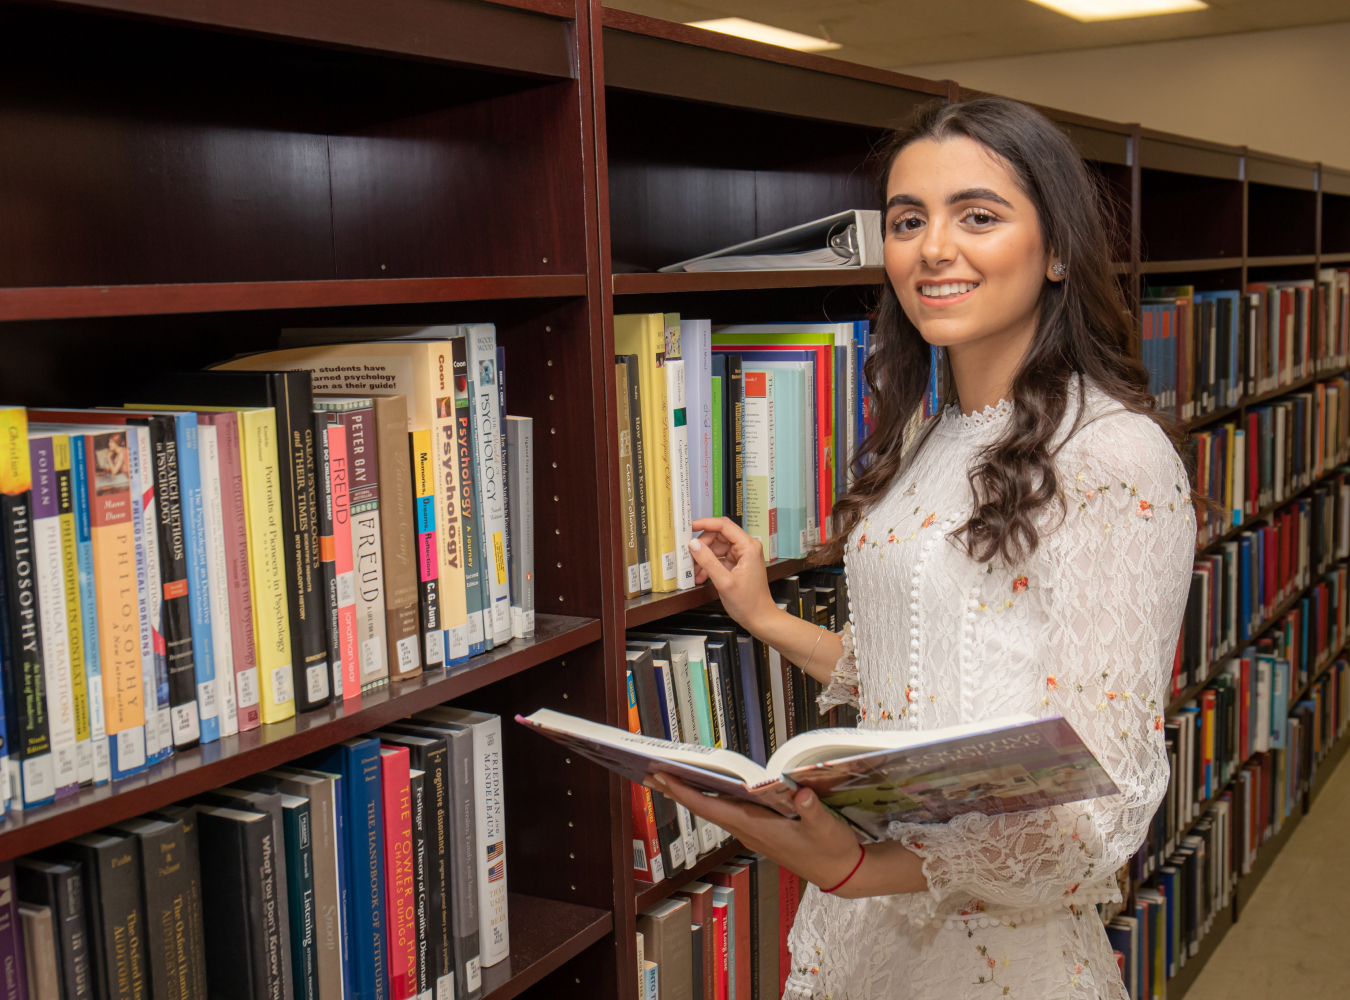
[{"x": 289, "y": 394}]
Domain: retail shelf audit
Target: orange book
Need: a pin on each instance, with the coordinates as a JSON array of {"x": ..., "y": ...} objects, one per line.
[
  {"x": 398, "y": 873},
  {"x": 340, "y": 485},
  {"x": 646, "y": 843}
]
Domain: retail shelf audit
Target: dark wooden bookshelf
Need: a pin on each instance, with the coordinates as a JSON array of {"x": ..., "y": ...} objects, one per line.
[
  {"x": 649, "y": 895},
  {"x": 650, "y": 607},
  {"x": 506, "y": 161}
]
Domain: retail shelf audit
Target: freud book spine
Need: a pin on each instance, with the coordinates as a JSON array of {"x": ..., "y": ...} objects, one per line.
[
  {"x": 520, "y": 500},
  {"x": 49, "y": 570},
  {"x": 344, "y": 569},
  {"x": 423, "y": 468},
  {"x": 475, "y": 591},
  {"x": 367, "y": 545},
  {"x": 397, "y": 533}
]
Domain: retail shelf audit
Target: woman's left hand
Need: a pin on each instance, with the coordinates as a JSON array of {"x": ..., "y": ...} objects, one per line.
[{"x": 818, "y": 847}]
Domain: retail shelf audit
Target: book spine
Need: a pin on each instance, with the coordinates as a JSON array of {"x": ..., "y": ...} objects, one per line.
[
  {"x": 450, "y": 550},
  {"x": 399, "y": 557},
  {"x": 77, "y": 970},
  {"x": 506, "y": 478},
  {"x": 631, "y": 580},
  {"x": 481, "y": 341},
  {"x": 463, "y": 865},
  {"x": 266, "y": 564},
  {"x": 299, "y": 872},
  {"x": 717, "y": 445},
  {"x": 171, "y": 611},
  {"x": 440, "y": 971},
  {"x": 490, "y": 806},
  {"x": 644, "y": 335},
  {"x": 323, "y": 488},
  {"x": 236, "y": 949},
  {"x": 365, "y": 832},
  {"x": 681, "y": 484},
  {"x": 165, "y": 889},
  {"x": 218, "y": 585},
  {"x": 520, "y": 502},
  {"x": 760, "y": 506},
  {"x": 640, "y": 446},
  {"x": 13, "y": 964},
  {"x": 49, "y": 570},
  {"x": 154, "y": 658},
  {"x": 428, "y": 562},
  {"x": 239, "y": 606},
  {"x": 123, "y": 920},
  {"x": 421, "y": 893},
  {"x": 66, "y": 490},
  {"x": 398, "y": 872},
  {"x": 347, "y": 665},
  {"x": 300, "y": 532},
  {"x": 647, "y": 861},
  {"x": 466, "y": 474},
  {"x": 206, "y": 700},
  {"x": 367, "y": 546},
  {"x": 734, "y": 390},
  {"x": 89, "y": 612}
]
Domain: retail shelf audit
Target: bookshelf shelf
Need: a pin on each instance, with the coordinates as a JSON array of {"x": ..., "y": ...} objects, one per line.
[
  {"x": 1185, "y": 266},
  {"x": 1334, "y": 258},
  {"x": 88, "y": 301},
  {"x": 649, "y": 607},
  {"x": 650, "y": 895},
  {"x": 1285, "y": 260},
  {"x": 228, "y": 759},
  {"x": 545, "y": 934},
  {"x": 726, "y": 281}
]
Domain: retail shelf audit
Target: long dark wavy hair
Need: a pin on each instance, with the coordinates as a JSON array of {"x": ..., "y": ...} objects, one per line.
[{"x": 1083, "y": 327}]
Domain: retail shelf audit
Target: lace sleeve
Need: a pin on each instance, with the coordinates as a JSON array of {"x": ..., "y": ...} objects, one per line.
[
  {"x": 843, "y": 686},
  {"x": 1117, "y": 573}
]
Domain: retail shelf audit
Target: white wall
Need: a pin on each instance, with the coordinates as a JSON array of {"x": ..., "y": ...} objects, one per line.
[{"x": 1284, "y": 92}]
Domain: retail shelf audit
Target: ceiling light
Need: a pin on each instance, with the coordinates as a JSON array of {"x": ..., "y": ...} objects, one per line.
[
  {"x": 757, "y": 32},
  {"x": 1111, "y": 10}
]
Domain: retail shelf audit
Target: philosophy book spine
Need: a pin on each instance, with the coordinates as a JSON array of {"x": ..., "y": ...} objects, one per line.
[{"x": 89, "y": 610}]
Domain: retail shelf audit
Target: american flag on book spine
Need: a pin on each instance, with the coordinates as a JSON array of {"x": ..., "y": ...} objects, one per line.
[{"x": 496, "y": 858}]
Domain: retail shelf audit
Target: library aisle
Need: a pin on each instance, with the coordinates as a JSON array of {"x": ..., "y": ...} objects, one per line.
[{"x": 1290, "y": 940}]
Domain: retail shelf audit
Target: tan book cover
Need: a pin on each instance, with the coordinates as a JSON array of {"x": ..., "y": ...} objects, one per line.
[
  {"x": 399, "y": 530},
  {"x": 666, "y": 941}
]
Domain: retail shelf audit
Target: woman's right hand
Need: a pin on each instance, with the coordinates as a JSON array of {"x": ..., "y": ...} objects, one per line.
[{"x": 734, "y": 562}]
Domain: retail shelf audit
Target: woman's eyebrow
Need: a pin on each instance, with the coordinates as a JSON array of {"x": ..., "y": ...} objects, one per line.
[
  {"x": 904, "y": 199},
  {"x": 978, "y": 194}
]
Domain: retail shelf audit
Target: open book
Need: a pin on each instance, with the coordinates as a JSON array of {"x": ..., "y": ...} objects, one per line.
[
  {"x": 870, "y": 777},
  {"x": 845, "y": 239}
]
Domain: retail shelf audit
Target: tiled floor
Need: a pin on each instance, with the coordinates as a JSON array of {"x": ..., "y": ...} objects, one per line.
[{"x": 1291, "y": 939}]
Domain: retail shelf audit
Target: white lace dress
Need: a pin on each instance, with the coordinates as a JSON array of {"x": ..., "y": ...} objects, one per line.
[{"x": 1086, "y": 628}]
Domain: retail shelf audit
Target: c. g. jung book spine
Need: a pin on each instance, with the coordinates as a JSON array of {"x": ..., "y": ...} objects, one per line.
[{"x": 423, "y": 468}]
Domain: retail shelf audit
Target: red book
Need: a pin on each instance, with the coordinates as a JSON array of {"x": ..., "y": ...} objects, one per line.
[
  {"x": 398, "y": 873},
  {"x": 1253, "y": 463},
  {"x": 1244, "y": 706},
  {"x": 722, "y": 983},
  {"x": 788, "y": 898},
  {"x": 647, "y": 864},
  {"x": 737, "y": 878},
  {"x": 340, "y": 485}
]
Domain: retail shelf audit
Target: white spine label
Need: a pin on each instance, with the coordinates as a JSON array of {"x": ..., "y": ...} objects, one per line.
[
  {"x": 408, "y": 656},
  {"x": 246, "y": 684},
  {"x": 183, "y": 719},
  {"x": 206, "y": 699},
  {"x": 281, "y": 685},
  {"x": 316, "y": 681}
]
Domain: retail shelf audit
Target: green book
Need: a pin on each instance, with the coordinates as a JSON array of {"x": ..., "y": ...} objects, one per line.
[
  {"x": 717, "y": 430},
  {"x": 295, "y": 820}
]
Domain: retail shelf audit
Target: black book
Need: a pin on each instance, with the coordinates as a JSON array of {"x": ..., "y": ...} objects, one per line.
[
  {"x": 175, "y": 614},
  {"x": 421, "y": 879},
  {"x": 461, "y": 847},
  {"x": 259, "y": 793},
  {"x": 650, "y": 719},
  {"x": 239, "y": 891},
  {"x": 327, "y": 555},
  {"x": 60, "y": 887},
  {"x": 635, "y": 428},
  {"x": 297, "y": 871},
  {"x": 733, "y": 406},
  {"x": 696, "y": 949},
  {"x": 166, "y": 891},
  {"x": 1192, "y": 632},
  {"x": 429, "y": 752},
  {"x": 28, "y": 736},
  {"x": 719, "y": 656},
  {"x": 290, "y": 394},
  {"x": 192, "y": 915},
  {"x": 111, "y": 865},
  {"x": 788, "y": 593}
]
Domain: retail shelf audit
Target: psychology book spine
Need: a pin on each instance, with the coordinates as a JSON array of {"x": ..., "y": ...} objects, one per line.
[
  {"x": 475, "y": 590},
  {"x": 481, "y": 343},
  {"x": 154, "y": 661}
]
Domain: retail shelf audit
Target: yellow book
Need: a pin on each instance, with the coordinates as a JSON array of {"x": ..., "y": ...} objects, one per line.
[
  {"x": 70, "y": 564},
  {"x": 644, "y": 334},
  {"x": 266, "y": 561}
]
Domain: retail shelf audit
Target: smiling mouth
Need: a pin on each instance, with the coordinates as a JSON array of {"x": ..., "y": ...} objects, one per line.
[{"x": 947, "y": 289}]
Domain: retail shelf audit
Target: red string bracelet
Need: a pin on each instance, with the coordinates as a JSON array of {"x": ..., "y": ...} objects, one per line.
[{"x": 863, "y": 849}]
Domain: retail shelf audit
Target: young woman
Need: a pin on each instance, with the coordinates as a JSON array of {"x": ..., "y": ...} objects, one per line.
[{"x": 1029, "y": 551}]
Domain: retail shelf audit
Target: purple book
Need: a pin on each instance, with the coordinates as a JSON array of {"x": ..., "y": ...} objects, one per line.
[
  {"x": 870, "y": 778},
  {"x": 13, "y": 971}
]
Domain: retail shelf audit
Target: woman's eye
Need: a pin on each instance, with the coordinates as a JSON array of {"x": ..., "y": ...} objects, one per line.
[
  {"x": 979, "y": 218},
  {"x": 908, "y": 224}
]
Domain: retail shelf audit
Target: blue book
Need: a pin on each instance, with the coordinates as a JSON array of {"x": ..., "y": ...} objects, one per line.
[
  {"x": 1279, "y": 704},
  {"x": 753, "y": 703},
  {"x": 1167, "y": 880},
  {"x": 84, "y": 560},
  {"x": 361, "y": 846},
  {"x": 789, "y": 452}
]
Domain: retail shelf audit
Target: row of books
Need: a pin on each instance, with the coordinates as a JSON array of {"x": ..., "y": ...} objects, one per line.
[
  {"x": 1248, "y": 464},
  {"x": 1206, "y": 350},
  {"x": 700, "y": 678},
  {"x": 754, "y": 423},
  {"x": 1188, "y": 870},
  {"x": 244, "y": 550},
  {"x": 723, "y": 937},
  {"x": 373, "y": 869}
]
